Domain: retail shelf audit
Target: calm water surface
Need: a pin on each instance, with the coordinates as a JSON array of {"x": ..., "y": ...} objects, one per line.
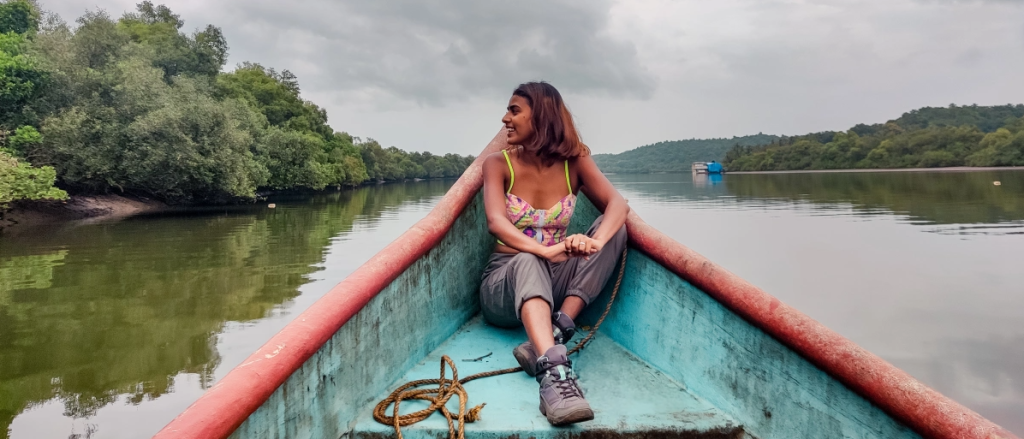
[{"x": 109, "y": 330}]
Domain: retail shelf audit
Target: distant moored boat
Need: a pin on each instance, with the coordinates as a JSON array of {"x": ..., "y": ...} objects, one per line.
[{"x": 714, "y": 167}]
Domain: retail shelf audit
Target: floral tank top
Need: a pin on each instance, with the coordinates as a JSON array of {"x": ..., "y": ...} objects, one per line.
[{"x": 547, "y": 226}]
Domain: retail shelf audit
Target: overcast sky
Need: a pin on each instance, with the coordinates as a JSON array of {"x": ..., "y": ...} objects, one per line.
[{"x": 436, "y": 75}]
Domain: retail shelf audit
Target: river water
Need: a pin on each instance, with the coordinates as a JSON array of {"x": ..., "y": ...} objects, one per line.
[{"x": 110, "y": 329}]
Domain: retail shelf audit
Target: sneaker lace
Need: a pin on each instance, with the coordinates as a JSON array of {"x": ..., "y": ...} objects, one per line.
[{"x": 568, "y": 387}]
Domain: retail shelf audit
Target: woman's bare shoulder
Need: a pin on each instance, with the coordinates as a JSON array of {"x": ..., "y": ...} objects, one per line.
[
  {"x": 494, "y": 157},
  {"x": 494, "y": 161}
]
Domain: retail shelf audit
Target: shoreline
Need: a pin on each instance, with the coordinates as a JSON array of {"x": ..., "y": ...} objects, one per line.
[
  {"x": 836, "y": 171},
  {"x": 109, "y": 207},
  {"x": 79, "y": 208},
  {"x": 89, "y": 208}
]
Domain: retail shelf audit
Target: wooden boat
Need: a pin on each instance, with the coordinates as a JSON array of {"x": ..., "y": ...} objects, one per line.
[{"x": 688, "y": 350}]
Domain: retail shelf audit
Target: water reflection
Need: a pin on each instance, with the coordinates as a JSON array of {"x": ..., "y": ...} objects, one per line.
[
  {"x": 926, "y": 197},
  {"x": 988, "y": 375},
  {"x": 705, "y": 180},
  {"x": 968, "y": 200},
  {"x": 98, "y": 313}
]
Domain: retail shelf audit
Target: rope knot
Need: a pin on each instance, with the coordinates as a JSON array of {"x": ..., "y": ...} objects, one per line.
[{"x": 474, "y": 413}]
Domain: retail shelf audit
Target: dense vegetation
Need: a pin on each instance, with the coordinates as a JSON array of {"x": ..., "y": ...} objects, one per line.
[
  {"x": 135, "y": 105},
  {"x": 929, "y": 137},
  {"x": 20, "y": 77},
  {"x": 674, "y": 155}
]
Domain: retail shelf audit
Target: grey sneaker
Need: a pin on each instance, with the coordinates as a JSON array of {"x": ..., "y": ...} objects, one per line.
[
  {"x": 526, "y": 357},
  {"x": 561, "y": 399},
  {"x": 563, "y": 326},
  {"x": 564, "y": 329}
]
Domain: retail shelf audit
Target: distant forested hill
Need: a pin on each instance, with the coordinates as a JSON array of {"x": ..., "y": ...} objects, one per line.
[
  {"x": 924, "y": 138},
  {"x": 676, "y": 155}
]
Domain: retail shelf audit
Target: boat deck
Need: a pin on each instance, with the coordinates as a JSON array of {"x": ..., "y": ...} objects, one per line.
[{"x": 629, "y": 397}]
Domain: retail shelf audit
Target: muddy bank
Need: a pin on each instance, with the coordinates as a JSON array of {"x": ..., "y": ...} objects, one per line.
[{"x": 79, "y": 207}]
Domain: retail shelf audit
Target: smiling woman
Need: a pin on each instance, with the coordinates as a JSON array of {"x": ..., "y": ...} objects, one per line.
[{"x": 538, "y": 276}]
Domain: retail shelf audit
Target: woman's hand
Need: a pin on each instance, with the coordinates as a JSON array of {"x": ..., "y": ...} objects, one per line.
[
  {"x": 582, "y": 245},
  {"x": 555, "y": 253}
]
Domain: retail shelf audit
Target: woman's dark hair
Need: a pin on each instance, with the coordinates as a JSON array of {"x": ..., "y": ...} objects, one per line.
[{"x": 555, "y": 137}]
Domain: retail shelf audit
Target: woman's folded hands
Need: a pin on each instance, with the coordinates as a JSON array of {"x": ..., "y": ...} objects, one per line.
[{"x": 581, "y": 245}]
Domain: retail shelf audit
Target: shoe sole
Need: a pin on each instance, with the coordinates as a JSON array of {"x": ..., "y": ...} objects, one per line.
[
  {"x": 524, "y": 360},
  {"x": 579, "y": 415}
]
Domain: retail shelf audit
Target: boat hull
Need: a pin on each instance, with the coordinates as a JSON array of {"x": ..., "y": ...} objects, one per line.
[
  {"x": 662, "y": 319},
  {"x": 770, "y": 390}
]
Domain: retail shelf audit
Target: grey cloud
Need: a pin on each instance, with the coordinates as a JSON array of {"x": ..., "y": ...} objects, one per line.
[
  {"x": 432, "y": 52},
  {"x": 970, "y": 57}
]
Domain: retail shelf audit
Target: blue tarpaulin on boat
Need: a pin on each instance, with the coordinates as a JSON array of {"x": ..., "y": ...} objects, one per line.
[{"x": 714, "y": 168}]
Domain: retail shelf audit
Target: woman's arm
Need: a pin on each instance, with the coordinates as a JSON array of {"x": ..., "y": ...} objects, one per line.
[
  {"x": 600, "y": 191},
  {"x": 498, "y": 224}
]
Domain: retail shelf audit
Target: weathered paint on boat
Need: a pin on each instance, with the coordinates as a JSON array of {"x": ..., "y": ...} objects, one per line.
[{"x": 772, "y": 369}]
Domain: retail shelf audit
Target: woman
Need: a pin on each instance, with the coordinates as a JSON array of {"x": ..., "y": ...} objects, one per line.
[{"x": 538, "y": 276}]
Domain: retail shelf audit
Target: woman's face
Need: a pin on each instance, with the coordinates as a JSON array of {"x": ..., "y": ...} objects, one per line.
[{"x": 518, "y": 121}]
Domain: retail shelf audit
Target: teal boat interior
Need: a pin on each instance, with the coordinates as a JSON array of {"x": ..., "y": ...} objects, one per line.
[
  {"x": 630, "y": 397},
  {"x": 669, "y": 361}
]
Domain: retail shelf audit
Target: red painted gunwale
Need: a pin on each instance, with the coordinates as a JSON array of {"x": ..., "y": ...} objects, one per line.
[{"x": 233, "y": 399}]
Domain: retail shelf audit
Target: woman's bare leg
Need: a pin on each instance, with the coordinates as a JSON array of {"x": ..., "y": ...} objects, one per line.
[
  {"x": 572, "y": 306},
  {"x": 536, "y": 316}
]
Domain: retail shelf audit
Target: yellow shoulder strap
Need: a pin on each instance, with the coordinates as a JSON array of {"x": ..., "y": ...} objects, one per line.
[
  {"x": 567, "y": 182},
  {"x": 510, "y": 171}
]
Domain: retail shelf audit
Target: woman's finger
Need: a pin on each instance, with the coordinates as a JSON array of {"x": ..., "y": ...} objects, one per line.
[
  {"x": 570, "y": 245},
  {"x": 579, "y": 245}
]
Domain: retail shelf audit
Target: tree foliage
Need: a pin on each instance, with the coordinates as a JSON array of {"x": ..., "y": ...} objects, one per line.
[
  {"x": 202, "y": 53},
  {"x": 393, "y": 163},
  {"x": 21, "y": 79},
  {"x": 138, "y": 105},
  {"x": 19, "y": 181},
  {"x": 925, "y": 138},
  {"x": 19, "y": 17}
]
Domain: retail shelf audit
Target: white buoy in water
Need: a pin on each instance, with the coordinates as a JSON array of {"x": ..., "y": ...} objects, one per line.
[
  {"x": 996, "y": 183},
  {"x": 271, "y": 205}
]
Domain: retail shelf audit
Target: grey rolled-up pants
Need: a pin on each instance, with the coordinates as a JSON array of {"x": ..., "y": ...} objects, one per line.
[{"x": 509, "y": 280}]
